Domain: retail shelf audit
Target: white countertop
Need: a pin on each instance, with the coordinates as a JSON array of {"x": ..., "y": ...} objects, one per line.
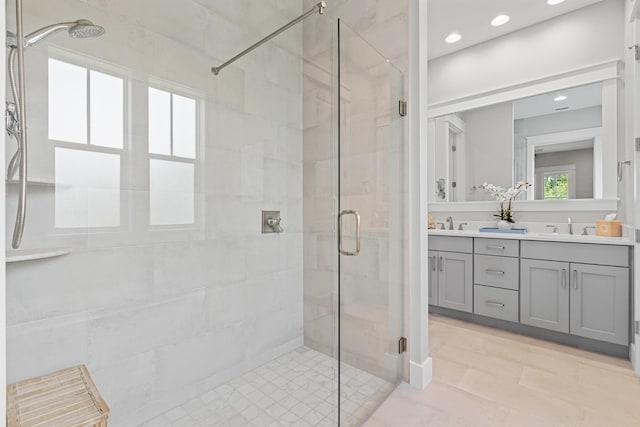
[{"x": 548, "y": 237}]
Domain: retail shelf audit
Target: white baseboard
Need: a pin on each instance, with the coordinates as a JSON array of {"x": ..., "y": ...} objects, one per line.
[{"x": 420, "y": 375}]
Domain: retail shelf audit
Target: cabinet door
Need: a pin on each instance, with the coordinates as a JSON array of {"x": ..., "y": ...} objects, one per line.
[
  {"x": 544, "y": 294},
  {"x": 455, "y": 281},
  {"x": 433, "y": 278},
  {"x": 600, "y": 302}
]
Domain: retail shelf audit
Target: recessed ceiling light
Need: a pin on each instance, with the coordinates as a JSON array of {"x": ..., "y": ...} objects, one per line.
[
  {"x": 500, "y": 20},
  {"x": 453, "y": 37},
  {"x": 554, "y": 2},
  {"x": 560, "y": 98}
]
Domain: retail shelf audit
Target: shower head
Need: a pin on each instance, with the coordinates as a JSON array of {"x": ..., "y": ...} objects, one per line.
[{"x": 82, "y": 28}]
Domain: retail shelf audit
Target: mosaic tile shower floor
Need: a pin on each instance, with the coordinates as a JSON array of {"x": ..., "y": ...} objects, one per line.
[{"x": 296, "y": 389}]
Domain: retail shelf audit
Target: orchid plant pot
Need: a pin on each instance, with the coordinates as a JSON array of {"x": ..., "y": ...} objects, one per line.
[
  {"x": 504, "y": 225},
  {"x": 506, "y": 197}
]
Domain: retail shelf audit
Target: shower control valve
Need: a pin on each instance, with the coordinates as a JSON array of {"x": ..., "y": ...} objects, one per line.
[{"x": 271, "y": 222}]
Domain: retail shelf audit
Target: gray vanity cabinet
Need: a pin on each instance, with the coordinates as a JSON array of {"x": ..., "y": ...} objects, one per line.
[
  {"x": 496, "y": 278},
  {"x": 433, "y": 278},
  {"x": 544, "y": 294},
  {"x": 455, "y": 281},
  {"x": 451, "y": 272},
  {"x": 576, "y": 295},
  {"x": 599, "y": 307}
]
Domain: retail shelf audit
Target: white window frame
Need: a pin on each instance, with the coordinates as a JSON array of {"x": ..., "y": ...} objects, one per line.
[
  {"x": 91, "y": 64},
  {"x": 175, "y": 89}
]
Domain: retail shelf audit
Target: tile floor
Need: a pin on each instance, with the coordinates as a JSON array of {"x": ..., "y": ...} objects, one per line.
[
  {"x": 297, "y": 389},
  {"x": 489, "y": 377}
]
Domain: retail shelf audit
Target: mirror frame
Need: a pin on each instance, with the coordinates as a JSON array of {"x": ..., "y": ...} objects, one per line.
[{"x": 608, "y": 73}]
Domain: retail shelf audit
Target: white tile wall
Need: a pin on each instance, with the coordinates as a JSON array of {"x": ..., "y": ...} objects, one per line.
[
  {"x": 73, "y": 284},
  {"x": 43, "y": 346},
  {"x": 159, "y": 315},
  {"x": 119, "y": 333},
  {"x": 126, "y": 384}
]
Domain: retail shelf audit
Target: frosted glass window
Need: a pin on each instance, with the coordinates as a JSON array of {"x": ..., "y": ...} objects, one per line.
[
  {"x": 107, "y": 110},
  {"x": 159, "y": 121},
  {"x": 171, "y": 192},
  {"x": 184, "y": 127},
  {"x": 87, "y": 189},
  {"x": 67, "y": 102}
]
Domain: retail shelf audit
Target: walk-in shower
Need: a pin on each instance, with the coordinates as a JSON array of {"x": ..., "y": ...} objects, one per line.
[
  {"x": 15, "y": 115},
  {"x": 148, "y": 180}
]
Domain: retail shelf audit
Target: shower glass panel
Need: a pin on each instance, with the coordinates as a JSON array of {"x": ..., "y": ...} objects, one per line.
[
  {"x": 148, "y": 176},
  {"x": 372, "y": 155}
]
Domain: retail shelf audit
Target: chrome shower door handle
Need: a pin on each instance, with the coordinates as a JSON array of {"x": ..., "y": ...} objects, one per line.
[{"x": 340, "y": 248}]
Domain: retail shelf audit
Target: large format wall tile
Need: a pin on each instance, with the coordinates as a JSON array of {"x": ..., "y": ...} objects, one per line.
[
  {"x": 44, "y": 346},
  {"x": 118, "y": 334},
  {"x": 78, "y": 282}
]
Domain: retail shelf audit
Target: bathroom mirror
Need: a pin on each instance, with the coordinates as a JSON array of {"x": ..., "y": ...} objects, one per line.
[{"x": 553, "y": 140}]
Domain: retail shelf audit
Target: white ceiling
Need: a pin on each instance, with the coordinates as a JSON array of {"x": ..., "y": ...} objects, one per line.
[
  {"x": 471, "y": 19},
  {"x": 540, "y": 105}
]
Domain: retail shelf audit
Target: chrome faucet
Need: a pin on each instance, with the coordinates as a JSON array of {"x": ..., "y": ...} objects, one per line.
[
  {"x": 450, "y": 221},
  {"x": 570, "y": 225}
]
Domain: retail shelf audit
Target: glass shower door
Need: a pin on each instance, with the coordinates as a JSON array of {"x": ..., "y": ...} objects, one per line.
[{"x": 371, "y": 227}]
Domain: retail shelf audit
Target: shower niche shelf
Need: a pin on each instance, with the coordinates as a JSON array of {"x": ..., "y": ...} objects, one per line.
[{"x": 33, "y": 254}]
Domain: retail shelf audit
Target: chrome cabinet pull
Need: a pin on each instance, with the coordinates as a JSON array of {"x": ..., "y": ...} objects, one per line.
[
  {"x": 495, "y": 304},
  {"x": 340, "y": 248},
  {"x": 432, "y": 263},
  {"x": 564, "y": 278},
  {"x": 496, "y": 247},
  {"x": 499, "y": 272},
  {"x": 575, "y": 279},
  {"x": 441, "y": 264}
]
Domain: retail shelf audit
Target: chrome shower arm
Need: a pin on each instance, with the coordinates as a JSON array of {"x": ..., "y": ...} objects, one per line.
[
  {"x": 320, "y": 7},
  {"x": 36, "y": 36}
]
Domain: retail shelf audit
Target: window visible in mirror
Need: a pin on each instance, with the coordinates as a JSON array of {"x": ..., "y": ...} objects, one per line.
[
  {"x": 555, "y": 183},
  {"x": 556, "y": 186}
]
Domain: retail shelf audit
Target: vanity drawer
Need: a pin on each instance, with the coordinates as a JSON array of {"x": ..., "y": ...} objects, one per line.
[
  {"x": 495, "y": 302},
  {"x": 451, "y": 244},
  {"x": 584, "y": 253},
  {"x": 501, "y": 272},
  {"x": 502, "y": 247}
]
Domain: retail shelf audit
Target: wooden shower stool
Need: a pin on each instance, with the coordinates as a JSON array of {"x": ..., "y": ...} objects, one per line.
[{"x": 64, "y": 398}]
